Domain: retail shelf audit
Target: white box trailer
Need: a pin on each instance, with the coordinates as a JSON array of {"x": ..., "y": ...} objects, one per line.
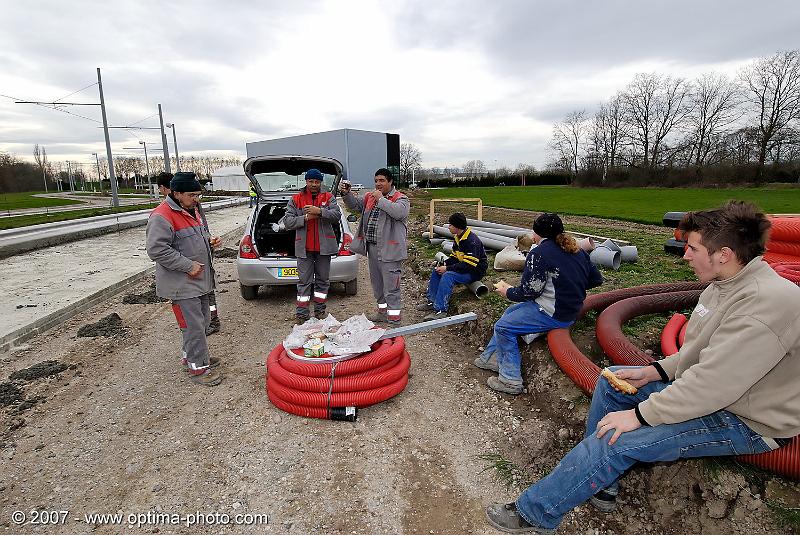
[{"x": 360, "y": 152}]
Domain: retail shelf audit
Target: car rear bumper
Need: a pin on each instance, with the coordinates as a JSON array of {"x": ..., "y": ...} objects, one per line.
[{"x": 268, "y": 271}]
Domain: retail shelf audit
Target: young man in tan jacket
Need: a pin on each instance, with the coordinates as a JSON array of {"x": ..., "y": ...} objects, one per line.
[{"x": 732, "y": 388}]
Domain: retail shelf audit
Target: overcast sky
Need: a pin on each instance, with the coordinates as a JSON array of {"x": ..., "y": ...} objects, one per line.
[{"x": 461, "y": 80}]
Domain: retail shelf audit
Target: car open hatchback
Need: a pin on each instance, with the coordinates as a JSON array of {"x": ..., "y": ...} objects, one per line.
[{"x": 266, "y": 251}]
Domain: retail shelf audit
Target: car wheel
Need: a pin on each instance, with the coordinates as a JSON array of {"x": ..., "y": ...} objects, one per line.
[
  {"x": 351, "y": 287},
  {"x": 249, "y": 292}
]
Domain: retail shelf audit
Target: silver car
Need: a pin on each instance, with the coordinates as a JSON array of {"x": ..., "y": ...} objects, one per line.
[{"x": 266, "y": 251}]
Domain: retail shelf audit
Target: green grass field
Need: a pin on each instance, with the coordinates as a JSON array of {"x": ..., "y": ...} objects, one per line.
[
  {"x": 643, "y": 205},
  {"x": 12, "y": 201},
  {"x": 25, "y": 220}
]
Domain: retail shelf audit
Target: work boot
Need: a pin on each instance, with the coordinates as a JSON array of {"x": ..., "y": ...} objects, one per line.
[
  {"x": 604, "y": 501},
  {"x": 300, "y": 319},
  {"x": 506, "y": 518},
  {"x": 435, "y": 315},
  {"x": 377, "y": 317},
  {"x": 490, "y": 364},
  {"x": 206, "y": 377},
  {"x": 320, "y": 314},
  {"x": 213, "y": 327},
  {"x": 213, "y": 362},
  {"x": 425, "y": 307},
  {"x": 499, "y": 384}
]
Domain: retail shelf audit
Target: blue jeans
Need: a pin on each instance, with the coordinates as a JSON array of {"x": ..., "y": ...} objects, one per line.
[
  {"x": 441, "y": 286},
  {"x": 593, "y": 465},
  {"x": 518, "y": 319}
]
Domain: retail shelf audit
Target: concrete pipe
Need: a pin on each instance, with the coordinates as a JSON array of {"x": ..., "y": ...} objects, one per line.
[
  {"x": 436, "y": 241},
  {"x": 447, "y": 246},
  {"x": 603, "y": 256},
  {"x": 440, "y": 257},
  {"x": 478, "y": 288},
  {"x": 629, "y": 253},
  {"x": 426, "y": 235},
  {"x": 496, "y": 243},
  {"x": 609, "y": 244},
  {"x": 489, "y": 224}
]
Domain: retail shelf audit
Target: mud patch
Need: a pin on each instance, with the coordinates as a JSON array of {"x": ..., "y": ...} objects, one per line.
[
  {"x": 10, "y": 394},
  {"x": 147, "y": 298},
  {"x": 42, "y": 369},
  {"x": 226, "y": 252},
  {"x": 111, "y": 325}
]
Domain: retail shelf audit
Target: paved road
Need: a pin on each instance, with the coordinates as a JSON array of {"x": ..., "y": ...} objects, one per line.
[{"x": 40, "y": 283}]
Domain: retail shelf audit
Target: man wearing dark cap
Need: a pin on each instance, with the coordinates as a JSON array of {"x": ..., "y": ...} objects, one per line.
[
  {"x": 550, "y": 295},
  {"x": 180, "y": 245},
  {"x": 313, "y": 213},
  {"x": 466, "y": 264},
  {"x": 163, "y": 180}
]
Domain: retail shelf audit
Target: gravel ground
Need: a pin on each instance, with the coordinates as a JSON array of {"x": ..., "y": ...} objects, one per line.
[{"x": 123, "y": 430}]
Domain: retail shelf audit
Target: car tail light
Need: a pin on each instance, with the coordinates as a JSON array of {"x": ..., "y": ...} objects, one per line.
[
  {"x": 246, "y": 249},
  {"x": 345, "y": 249}
]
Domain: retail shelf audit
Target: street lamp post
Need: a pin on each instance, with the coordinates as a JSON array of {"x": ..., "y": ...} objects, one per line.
[
  {"x": 147, "y": 168},
  {"x": 171, "y": 126},
  {"x": 99, "y": 178}
]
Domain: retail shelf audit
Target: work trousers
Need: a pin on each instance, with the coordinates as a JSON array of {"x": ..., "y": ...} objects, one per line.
[
  {"x": 193, "y": 317},
  {"x": 314, "y": 280},
  {"x": 440, "y": 287},
  {"x": 593, "y": 465},
  {"x": 385, "y": 279}
]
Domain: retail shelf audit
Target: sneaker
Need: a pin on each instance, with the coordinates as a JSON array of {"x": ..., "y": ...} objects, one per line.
[
  {"x": 206, "y": 377},
  {"x": 499, "y": 385},
  {"x": 213, "y": 362},
  {"x": 377, "y": 317},
  {"x": 490, "y": 364},
  {"x": 436, "y": 315},
  {"x": 506, "y": 518},
  {"x": 424, "y": 307},
  {"x": 213, "y": 327},
  {"x": 604, "y": 501}
]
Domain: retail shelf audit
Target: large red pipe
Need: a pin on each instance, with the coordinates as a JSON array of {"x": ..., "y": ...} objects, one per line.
[
  {"x": 669, "y": 336},
  {"x": 785, "y": 229},
  {"x": 312, "y": 389}
]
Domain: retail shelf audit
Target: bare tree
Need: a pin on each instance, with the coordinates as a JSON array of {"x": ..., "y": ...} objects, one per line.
[
  {"x": 41, "y": 160},
  {"x": 716, "y": 106},
  {"x": 410, "y": 159},
  {"x": 569, "y": 136},
  {"x": 773, "y": 88},
  {"x": 655, "y": 107},
  {"x": 475, "y": 168}
]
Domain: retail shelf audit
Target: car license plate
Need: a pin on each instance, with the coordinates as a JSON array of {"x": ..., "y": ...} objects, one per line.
[{"x": 287, "y": 272}]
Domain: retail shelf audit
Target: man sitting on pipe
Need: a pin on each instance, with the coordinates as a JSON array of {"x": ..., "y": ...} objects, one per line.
[
  {"x": 465, "y": 265},
  {"x": 731, "y": 389},
  {"x": 550, "y": 295}
]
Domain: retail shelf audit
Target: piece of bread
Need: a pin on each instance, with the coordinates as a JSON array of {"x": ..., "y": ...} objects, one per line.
[{"x": 620, "y": 384}]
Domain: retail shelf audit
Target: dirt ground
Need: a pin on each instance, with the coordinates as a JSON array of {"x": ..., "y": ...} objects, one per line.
[{"x": 123, "y": 430}]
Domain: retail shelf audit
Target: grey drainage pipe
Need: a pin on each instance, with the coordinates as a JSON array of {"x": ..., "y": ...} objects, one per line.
[
  {"x": 478, "y": 288},
  {"x": 603, "y": 256},
  {"x": 497, "y": 243},
  {"x": 629, "y": 253},
  {"x": 443, "y": 231}
]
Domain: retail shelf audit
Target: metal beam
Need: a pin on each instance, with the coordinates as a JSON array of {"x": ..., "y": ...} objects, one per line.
[{"x": 424, "y": 326}]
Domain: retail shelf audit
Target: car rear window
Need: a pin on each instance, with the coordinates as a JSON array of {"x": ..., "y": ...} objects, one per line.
[{"x": 281, "y": 181}]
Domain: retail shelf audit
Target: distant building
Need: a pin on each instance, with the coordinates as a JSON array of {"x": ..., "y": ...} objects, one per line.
[
  {"x": 230, "y": 179},
  {"x": 360, "y": 152}
]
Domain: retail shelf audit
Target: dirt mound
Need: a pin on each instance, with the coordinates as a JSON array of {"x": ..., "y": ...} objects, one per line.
[
  {"x": 146, "y": 298},
  {"x": 9, "y": 394},
  {"x": 42, "y": 369},
  {"x": 226, "y": 252},
  {"x": 109, "y": 326}
]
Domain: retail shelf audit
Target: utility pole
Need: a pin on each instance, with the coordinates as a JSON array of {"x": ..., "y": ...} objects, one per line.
[
  {"x": 99, "y": 178},
  {"x": 147, "y": 168},
  {"x": 44, "y": 168},
  {"x": 111, "y": 176},
  {"x": 175, "y": 143},
  {"x": 164, "y": 141},
  {"x": 69, "y": 175}
]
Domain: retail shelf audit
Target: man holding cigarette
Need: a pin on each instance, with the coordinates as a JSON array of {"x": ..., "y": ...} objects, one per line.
[{"x": 180, "y": 245}]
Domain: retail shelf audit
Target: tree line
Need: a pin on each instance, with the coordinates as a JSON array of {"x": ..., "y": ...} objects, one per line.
[
  {"x": 664, "y": 130},
  {"x": 19, "y": 175}
]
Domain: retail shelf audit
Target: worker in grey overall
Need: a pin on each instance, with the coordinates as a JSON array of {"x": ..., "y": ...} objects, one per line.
[
  {"x": 180, "y": 245},
  {"x": 312, "y": 213},
  {"x": 163, "y": 181},
  {"x": 381, "y": 237}
]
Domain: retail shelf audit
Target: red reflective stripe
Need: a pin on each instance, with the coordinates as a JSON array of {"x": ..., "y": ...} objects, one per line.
[
  {"x": 179, "y": 316},
  {"x": 303, "y": 304},
  {"x": 178, "y": 220}
]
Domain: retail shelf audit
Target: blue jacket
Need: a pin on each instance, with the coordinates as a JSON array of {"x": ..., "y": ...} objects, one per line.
[
  {"x": 556, "y": 280},
  {"x": 468, "y": 256}
]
